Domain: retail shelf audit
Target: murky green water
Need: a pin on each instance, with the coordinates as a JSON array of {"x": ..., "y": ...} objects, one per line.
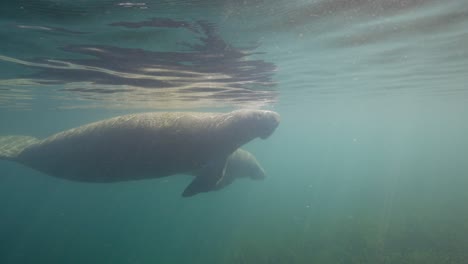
[{"x": 368, "y": 165}]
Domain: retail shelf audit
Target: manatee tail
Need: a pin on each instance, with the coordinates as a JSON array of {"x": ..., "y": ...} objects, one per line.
[{"x": 11, "y": 146}]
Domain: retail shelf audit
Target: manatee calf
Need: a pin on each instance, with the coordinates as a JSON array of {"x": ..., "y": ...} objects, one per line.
[
  {"x": 241, "y": 164},
  {"x": 147, "y": 145}
]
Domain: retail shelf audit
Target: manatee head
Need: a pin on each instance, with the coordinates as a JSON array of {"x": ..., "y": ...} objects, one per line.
[
  {"x": 266, "y": 122},
  {"x": 249, "y": 124}
]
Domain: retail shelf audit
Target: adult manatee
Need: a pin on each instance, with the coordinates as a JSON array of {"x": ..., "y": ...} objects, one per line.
[{"x": 146, "y": 145}]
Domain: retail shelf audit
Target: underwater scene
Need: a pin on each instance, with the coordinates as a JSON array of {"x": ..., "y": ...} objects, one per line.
[{"x": 203, "y": 131}]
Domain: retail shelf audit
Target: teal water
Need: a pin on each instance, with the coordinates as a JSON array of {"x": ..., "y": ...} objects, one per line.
[{"x": 368, "y": 165}]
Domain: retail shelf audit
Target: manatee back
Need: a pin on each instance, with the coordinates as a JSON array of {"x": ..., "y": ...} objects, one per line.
[{"x": 12, "y": 146}]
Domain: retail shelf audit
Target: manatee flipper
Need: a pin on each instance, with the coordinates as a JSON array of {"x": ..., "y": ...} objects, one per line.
[
  {"x": 12, "y": 146},
  {"x": 209, "y": 176}
]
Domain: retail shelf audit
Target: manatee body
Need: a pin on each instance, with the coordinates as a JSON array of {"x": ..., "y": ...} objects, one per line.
[{"x": 147, "y": 145}]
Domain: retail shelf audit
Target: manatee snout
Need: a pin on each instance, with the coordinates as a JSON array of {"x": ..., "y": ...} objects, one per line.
[{"x": 270, "y": 121}]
